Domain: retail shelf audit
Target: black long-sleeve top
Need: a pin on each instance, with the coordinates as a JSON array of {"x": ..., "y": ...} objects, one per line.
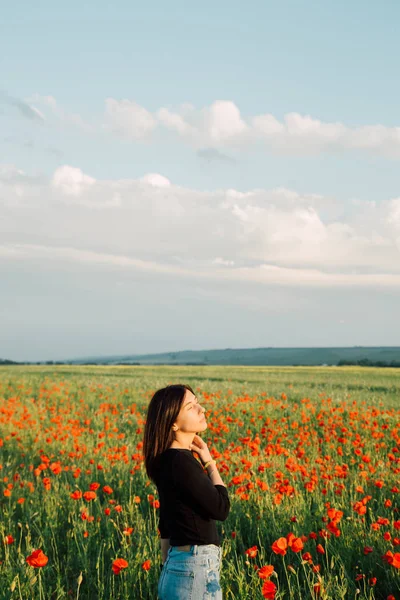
[{"x": 189, "y": 502}]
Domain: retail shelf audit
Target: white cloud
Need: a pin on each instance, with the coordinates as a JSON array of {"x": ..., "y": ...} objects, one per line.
[
  {"x": 26, "y": 109},
  {"x": 54, "y": 114},
  {"x": 71, "y": 180},
  {"x": 393, "y": 217},
  {"x": 10, "y": 173},
  {"x": 221, "y": 261},
  {"x": 156, "y": 180},
  {"x": 176, "y": 123},
  {"x": 240, "y": 213},
  {"x": 37, "y": 112},
  {"x": 129, "y": 119},
  {"x": 267, "y": 125},
  {"x": 217, "y": 124},
  {"x": 223, "y": 122},
  {"x": 262, "y": 274},
  {"x": 299, "y": 125},
  {"x": 221, "y": 126},
  {"x": 268, "y": 236}
]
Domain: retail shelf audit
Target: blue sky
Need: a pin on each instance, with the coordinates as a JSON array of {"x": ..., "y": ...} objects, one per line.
[{"x": 161, "y": 133}]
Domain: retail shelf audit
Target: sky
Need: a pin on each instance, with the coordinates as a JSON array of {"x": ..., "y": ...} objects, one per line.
[{"x": 180, "y": 176}]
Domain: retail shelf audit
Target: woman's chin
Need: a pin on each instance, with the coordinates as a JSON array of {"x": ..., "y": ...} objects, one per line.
[{"x": 203, "y": 428}]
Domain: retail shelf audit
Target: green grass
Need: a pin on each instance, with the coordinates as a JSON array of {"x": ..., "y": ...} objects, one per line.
[{"x": 294, "y": 417}]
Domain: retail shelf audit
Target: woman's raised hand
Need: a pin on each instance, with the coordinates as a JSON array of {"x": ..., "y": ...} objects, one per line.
[{"x": 198, "y": 445}]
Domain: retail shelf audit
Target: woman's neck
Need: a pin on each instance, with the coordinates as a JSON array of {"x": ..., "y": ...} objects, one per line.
[{"x": 179, "y": 447}]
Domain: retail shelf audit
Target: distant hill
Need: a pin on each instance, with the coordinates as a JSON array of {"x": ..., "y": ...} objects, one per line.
[
  {"x": 380, "y": 356},
  {"x": 258, "y": 356}
]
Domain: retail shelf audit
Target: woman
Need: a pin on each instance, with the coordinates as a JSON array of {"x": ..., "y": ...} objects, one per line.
[{"x": 191, "y": 492}]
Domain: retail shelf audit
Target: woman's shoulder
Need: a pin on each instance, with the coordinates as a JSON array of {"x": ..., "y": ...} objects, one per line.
[
  {"x": 172, "y": 459},
  {"x": 179, "y": 456},
  {"x": 172, "y": 455},
  {"x": 185, "y": 460},
  {"x": 171, "y": 451}
]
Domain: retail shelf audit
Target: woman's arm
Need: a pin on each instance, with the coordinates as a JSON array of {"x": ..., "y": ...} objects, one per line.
[
  {"x": 208, "y": 498},
  {"x": 164, "y": 549}
]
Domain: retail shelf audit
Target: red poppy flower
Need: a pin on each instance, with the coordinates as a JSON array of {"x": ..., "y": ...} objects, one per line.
[
  {"x": 118, "y": 565},
  {"x": 295, "y": 543},
  {"x": 395, "y": 560},
  {"x": 279, "y": 546},
  {"x": 252, "y": 552},
  {"x": 268, "y": 590},
  {"x": 37, "y": 559},
  {"x": 146, "y": 565},
  {"x": 265, "y": 572},
  {"x": 90, "y": 496}
]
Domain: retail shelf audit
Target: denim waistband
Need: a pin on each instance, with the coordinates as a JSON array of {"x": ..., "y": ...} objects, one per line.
[{"x": 196, "y": 549}]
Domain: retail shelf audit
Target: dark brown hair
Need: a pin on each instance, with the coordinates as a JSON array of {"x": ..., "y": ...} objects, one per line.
[{"x": 162, "y": 412}]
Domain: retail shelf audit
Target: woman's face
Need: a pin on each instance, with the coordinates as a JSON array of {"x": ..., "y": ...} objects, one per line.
[{"x": 191, "y": 417}]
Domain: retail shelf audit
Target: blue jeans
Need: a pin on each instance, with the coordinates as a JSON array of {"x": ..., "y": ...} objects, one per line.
[{"x": 191, "y": 575}]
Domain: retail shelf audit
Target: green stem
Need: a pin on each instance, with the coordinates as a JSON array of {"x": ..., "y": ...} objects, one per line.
[
  {"x": 307, "y": 579},
  {"x": 77, "y": 591},
  {"x": 287, "y": 578},
  {"x": 326, "y": 553},
  {"x": 19, "y": 588},
  {"x": 40, "y": 586}
]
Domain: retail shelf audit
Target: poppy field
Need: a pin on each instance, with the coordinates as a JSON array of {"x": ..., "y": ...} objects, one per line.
[{"x": 310, "y": 457}]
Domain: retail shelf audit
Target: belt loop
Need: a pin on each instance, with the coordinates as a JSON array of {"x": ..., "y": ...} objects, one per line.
[{"x": 195, "y": 549}]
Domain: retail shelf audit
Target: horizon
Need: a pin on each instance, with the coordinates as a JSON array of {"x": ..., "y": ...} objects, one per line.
[
  {"x": 206, "y": 175},
  {"x": 140, "y": 354}
]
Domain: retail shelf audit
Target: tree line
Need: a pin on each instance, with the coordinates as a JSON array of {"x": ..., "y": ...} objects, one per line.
[{"x": 366, "y": 362}]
